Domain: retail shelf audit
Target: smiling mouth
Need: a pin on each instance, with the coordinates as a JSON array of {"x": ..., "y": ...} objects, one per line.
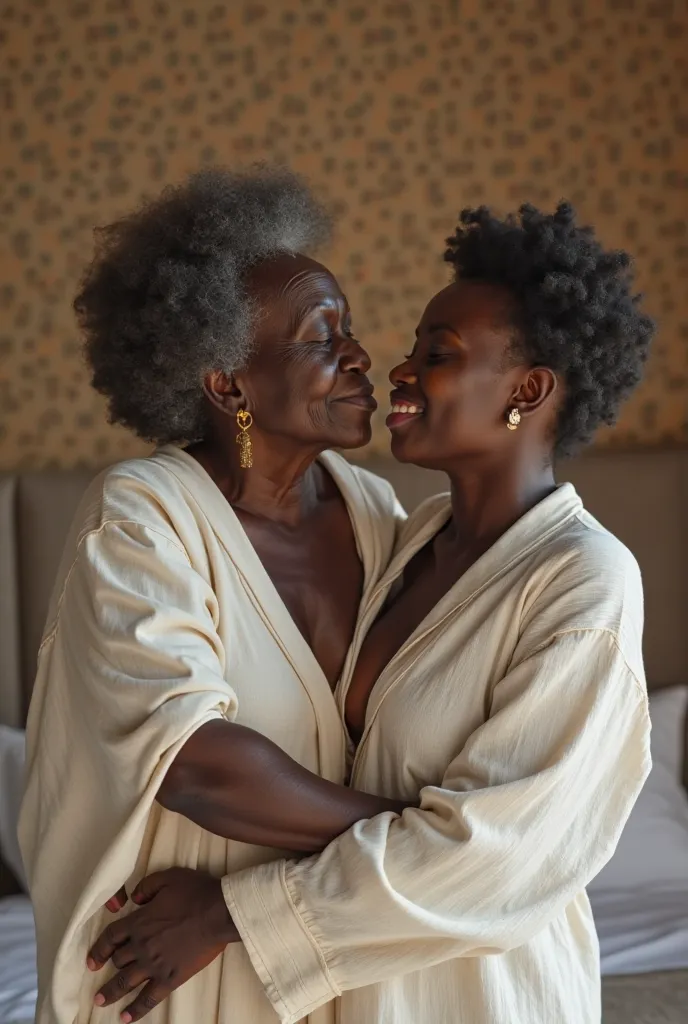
[{"x": 403, "y": 413}]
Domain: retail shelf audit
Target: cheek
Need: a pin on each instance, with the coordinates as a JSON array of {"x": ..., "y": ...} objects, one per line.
[
  {"x": 296, "y": 389},
  {"x": 313, "y": 380},
  {"x": 469, "y": 400}
]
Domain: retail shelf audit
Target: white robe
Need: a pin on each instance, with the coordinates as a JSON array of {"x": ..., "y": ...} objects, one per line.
[
  {"x": 518, "y": 709},
  {"x": 163, "y": 618}
]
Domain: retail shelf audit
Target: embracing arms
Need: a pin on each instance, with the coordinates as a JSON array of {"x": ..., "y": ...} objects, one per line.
[
  {"x": 235, "y": 782},
  {"x": 522, "y": 820}
]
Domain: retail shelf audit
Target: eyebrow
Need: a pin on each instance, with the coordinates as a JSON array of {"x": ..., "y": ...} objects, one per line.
[
  {"x": 301, "y": 315},
  {"x": 442, "y": 327}
]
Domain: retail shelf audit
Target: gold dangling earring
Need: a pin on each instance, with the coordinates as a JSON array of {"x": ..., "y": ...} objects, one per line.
[
  {"x": 244, "y": 421},
  {"x": 514, "y": 419}
]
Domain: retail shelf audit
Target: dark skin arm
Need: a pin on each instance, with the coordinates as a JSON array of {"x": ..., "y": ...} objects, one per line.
[{"x": 236, "y": 783}]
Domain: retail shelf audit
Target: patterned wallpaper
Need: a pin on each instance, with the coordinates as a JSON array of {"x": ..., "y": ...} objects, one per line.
[{"x": 400, "y": 112}]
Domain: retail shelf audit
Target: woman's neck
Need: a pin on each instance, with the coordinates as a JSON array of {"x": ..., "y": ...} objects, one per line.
[
  {"x": 282, "y": 486},
  {"x": 487, "y": 501}
]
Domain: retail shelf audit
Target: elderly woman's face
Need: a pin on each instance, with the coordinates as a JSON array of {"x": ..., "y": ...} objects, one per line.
[{"x": 306, "y": 379}]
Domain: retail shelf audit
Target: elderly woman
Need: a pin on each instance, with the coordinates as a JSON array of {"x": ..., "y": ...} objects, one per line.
[
  {"x": 498, "y": 675},
  {"x": 207, "y": 597}
]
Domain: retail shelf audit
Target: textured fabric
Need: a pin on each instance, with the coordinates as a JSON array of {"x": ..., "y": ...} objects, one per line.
[
  {"x": 162, "y": 618},
  {"x": 518, "y": 710}
]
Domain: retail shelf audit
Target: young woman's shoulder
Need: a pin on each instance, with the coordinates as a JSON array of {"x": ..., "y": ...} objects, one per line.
[{"x": 586, "y": 580}]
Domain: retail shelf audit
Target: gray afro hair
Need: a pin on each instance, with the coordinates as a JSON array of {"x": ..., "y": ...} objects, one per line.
[{"x": 164, "y": 300}]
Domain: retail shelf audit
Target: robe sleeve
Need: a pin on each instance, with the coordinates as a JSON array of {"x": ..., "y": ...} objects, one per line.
[
  {"x": 526, "y": 815},
  {"x": 130, "y": 668}
]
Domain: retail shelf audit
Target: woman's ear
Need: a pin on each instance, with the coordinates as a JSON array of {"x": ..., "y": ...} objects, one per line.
[
  {"x": 222, "y": 391},
  {"x": 538, "y": 389}
]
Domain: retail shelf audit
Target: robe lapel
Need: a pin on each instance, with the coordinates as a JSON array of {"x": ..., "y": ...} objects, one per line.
[
  {"x": 532, "y": 530},
  {"x": 262, "y": 593}
]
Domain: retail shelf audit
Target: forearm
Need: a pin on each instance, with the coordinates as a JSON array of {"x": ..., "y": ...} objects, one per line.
[{"x": 236, "y": 783}]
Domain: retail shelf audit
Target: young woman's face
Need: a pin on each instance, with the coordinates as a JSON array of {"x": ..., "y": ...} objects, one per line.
[
  {"x": 453, "y": 393},
  {"x": 306, "y": 378}
]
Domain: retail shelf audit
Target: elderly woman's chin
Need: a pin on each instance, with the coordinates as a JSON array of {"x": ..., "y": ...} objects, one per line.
[
  {"x": 350, "y": 421},
  {"x": 352, "y": 429}
]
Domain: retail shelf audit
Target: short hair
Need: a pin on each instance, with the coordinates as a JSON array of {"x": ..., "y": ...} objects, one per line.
[
  {"x": 164, "y": 300},
  {"x": 575, "y": 310}
]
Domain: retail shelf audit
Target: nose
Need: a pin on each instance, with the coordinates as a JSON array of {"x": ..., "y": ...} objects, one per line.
[
  {"x": 354, "y": 358},
  {"x": 402, "y": 373}
]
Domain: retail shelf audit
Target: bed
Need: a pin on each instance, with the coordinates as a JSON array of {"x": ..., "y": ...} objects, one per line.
[
  {"x": 17, "y": 961},
  {"x": 640, "y": 900}
]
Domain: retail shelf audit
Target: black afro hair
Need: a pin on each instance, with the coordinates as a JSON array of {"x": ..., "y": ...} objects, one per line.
[{"x": 575, "y": 309}]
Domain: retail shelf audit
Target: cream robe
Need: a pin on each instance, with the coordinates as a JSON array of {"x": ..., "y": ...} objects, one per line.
[
  {"x": 518, "y": 710},
  {"x": 163, "y": 618}
]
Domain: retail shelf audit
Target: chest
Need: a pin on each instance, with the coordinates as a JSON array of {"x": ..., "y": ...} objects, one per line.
[
  {"x": 409, "y": 603},
  {"x": 318, "y": 576},
  {"x": 434, "y": 694}
]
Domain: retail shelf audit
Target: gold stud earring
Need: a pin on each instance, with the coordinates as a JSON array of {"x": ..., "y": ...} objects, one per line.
[
  {"x": 244, "y": 421},
  {"x": 514, "y": 419}
]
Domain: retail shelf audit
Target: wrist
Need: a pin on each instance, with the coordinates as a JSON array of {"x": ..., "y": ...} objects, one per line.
[
  {"x": 220, "y": 919},
  {"x": 401, "y": 805}
]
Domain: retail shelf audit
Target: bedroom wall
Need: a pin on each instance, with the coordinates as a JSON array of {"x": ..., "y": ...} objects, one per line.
[{"x": 400, "y": 112}]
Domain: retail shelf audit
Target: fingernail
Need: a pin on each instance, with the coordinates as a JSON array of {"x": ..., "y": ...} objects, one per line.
[
  {"x": 91, "y": 964},
  {"x": 113, "y": 905},
  {"x": 126, "y": 1017},
  {"x": 99, "y": 999}
]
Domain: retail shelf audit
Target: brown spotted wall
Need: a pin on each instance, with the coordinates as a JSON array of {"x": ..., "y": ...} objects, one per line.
[{"x": 400, "y": 112}]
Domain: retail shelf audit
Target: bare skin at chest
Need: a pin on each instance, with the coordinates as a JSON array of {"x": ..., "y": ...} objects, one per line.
[
  {"x": 425, "y": 581},
  {"x": 316, "y": 570}
]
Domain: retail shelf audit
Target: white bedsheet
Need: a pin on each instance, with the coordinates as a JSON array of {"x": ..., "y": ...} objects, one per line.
[
  {"x": 17, "y": 961},
  {"x": 642, "y": 931},
  {"x": 640, "y": 899}
]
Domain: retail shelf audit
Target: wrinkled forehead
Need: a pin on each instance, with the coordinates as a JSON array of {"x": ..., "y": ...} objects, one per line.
[
  {"x": 289, "y": 291},
  {"x": 292, "y": 278}
]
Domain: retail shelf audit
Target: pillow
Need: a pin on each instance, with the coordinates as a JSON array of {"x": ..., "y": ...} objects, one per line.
[
  {"x": 12, "y": 747},
  {"x": 669, "y": 711},
  {"x": 653, "y": 849}
]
